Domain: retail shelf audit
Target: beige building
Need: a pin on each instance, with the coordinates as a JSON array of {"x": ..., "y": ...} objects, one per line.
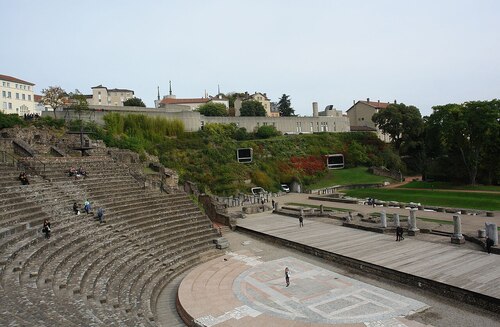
[
  {"x": 17, "y": 96},
  {"x": 101, "y": 95},
  {"x": 191, "y": 103},
  {"x": 361, "y": 113},
  {"x": 259, "y": 97}
]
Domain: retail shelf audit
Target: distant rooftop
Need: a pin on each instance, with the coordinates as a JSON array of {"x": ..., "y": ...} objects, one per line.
[
  {"x": 15, "y": 80},
  {"x": 111, "y": 90},
  {"x": 184, "y": 101}
]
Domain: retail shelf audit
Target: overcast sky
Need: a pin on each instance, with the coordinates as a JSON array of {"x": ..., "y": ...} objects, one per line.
[{"x": 421, "y": 52}]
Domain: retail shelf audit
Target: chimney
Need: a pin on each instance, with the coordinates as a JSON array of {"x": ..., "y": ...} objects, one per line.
[
  {"x": 378, "y": 101},
  {"x": 353, "y": 102},
  {"x": 367, "y": 99},
  {"x": 395, "y": 102},
  {"x": 315, "y": 109}
]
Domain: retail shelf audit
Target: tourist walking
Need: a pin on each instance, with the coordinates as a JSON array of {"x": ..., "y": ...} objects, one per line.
[
  {"x": 301, "y": 221},
  {"x": 489, "y": 244},
  {"x": 46, "y": 228},
  {"x": 399, "y": 233},
  {"x": 287, "y": 276}
]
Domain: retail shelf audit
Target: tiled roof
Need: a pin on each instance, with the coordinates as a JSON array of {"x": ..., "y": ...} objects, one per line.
[
  {"x": 37, "y": 98},
  {"x": 15, "y": 80},
  {"x": 184, "y": 101},
  {"x": 111, "y": 90},
  {"x": 120, "y": 90},
  {"x": 377, "y": 104}
]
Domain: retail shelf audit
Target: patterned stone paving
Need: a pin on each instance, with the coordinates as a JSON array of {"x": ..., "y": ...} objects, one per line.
[
  {"x": 317, "y": 295},
  {"x": 257, "y": 296}
]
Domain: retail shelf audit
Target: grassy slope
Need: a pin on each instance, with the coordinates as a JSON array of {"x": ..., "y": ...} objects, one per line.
[
  {"x": 358, "y": 175},
  {"x": 450, "y": 186},
  {"x": 455, "y": 199}
]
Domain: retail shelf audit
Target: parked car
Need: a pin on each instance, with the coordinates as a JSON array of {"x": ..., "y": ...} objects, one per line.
[
  {"x": 258, "y": 191},
  {"x": 285, "y": 188}
]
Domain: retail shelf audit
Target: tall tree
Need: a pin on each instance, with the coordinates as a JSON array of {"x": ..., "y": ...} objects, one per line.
[
  {"x": 402, "y": 123},
  {"x": 252, "y": 108},
  {"x": 468, "y": 132},
  {"x": 284, "y": 106},
  {"x": 213, "y": 109},
  {"x": 78, "y": 103},
  {"x": 134, "y": 102},
  {"x": 53, "y": 97}
]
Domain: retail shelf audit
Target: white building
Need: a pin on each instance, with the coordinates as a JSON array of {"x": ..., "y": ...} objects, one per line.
[{"x": 17, "y": 96}]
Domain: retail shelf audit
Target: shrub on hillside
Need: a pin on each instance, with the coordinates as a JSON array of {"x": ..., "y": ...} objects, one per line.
[
  {"x": 265, "y": 132},
  {"x": 11, "y": 120},
  {"x": 309, "y": 165}
]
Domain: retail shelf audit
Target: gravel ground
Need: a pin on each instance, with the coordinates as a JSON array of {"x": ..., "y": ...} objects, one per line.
[{"x": 442, "y": 311}]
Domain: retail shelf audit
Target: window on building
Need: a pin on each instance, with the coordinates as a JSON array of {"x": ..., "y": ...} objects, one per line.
[
  {"x": 29, "y": 97},
  {"x": 10, "y": 105},
  {"x": 4, "y": 106},
  {"x": 4, "y": 94},
  {"x": 23, "y": 96},
  {"x": 8, "y": 84},
  {"x": 17, "y": 96},
  {"x": 17, "y": 86},
  {"x": 3, "y": 83},
  {"x": 9, "y": 95}
]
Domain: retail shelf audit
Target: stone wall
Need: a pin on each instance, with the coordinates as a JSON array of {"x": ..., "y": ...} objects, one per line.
[
  {"x": 380, "y": 171},
  {"x": 193, "y": 121}
]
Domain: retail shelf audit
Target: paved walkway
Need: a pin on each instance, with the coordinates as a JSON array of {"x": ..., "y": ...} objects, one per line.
[{"x": 450, "y": 264}]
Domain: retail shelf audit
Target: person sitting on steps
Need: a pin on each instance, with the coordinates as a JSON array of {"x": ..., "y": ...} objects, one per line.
[
  {"x": 46, "y": 228},
  {"x": 87, "y": 206},
  {"x": 76, "y": 210},
  {"x": 24, "y": 178},
  {"x": 100, "y": 215}
]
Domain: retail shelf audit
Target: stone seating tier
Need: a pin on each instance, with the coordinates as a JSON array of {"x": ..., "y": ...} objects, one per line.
[{"x": 89, "y": 273}]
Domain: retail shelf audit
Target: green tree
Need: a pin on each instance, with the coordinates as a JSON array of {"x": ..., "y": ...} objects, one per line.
[
  {"x": 54, "y": 97},
  {"x": 468, "y": 133},
  {"x": 232, "y": 96},
  {"x": 405, "y": 126},
  {"x": 400, "y": 122},
  {"x": 284, "y": 106},
  {"x": 252, "y": 108},
  {"x": 267, "y": 131},
  {"x": 134, "y": 102},
  {"x": 213, "y": 109}
]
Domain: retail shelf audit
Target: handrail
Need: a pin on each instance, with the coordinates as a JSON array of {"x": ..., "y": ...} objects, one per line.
[
  {"x": 8, "y": 157},
  {"x": 34, "y": 168},
  {"x": 23, "y": 164}
]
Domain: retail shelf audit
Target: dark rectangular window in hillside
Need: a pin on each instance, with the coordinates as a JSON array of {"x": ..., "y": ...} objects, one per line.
[{"x": 245, "y": 155}]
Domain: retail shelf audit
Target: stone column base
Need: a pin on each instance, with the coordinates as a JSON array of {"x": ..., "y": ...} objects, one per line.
[
  {"x": 457, "y": 240},
  {"x": 413, "y": 232}
]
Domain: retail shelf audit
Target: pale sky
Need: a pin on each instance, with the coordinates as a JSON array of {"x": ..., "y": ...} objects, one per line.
[{"x": 421, "y": 52}]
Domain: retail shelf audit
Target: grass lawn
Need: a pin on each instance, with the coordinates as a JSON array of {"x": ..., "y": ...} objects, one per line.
[
  {"x": 455, "y": 199},
  {"x": 450, "y": 186},
  {"x": 357, "y": 175}
]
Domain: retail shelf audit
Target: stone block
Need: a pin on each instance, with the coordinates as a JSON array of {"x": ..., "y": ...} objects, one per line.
[{"x": 457, "y": 240}]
